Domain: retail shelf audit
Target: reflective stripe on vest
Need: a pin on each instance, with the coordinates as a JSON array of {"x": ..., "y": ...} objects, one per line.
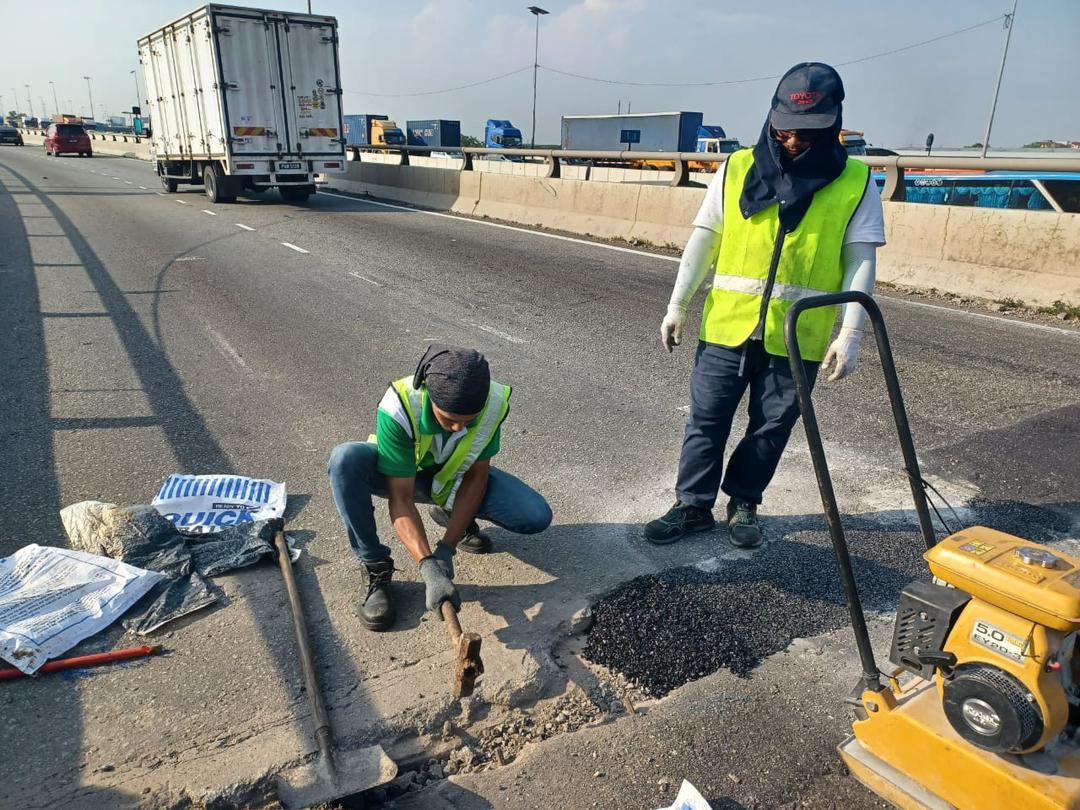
[
  {"x": 808, "y": 263},
  {"x": 470, "y": 444}
]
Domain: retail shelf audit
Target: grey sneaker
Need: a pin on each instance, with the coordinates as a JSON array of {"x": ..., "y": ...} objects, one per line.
[
  {"x": 743, "y": 527},
  {"x": 474, "y": 541}
]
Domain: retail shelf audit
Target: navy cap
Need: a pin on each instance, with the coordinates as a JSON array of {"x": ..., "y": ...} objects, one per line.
[{"x": 808, "y": 97}]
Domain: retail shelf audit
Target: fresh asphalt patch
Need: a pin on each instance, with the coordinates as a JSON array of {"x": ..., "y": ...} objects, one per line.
[{"x": 664, "y": 630}]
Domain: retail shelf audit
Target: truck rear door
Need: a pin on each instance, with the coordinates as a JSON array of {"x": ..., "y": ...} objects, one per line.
[
  {"x": 313, "y": 87},
  {"x": 252, "y": 80}
]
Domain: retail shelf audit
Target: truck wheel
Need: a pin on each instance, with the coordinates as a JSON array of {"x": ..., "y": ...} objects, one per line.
[
  {"x": 296, "y": 194},
  {"x": 217, "y": 186},
  {"x": 169, "y": 184}
]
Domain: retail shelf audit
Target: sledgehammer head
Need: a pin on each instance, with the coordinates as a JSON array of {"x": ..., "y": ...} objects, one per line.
[{"x": 467, "y": 664}]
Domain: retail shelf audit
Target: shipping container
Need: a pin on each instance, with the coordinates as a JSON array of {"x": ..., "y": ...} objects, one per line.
[
  {"x": 245, "y": 98},
  {"x": 358, "y": 128},
  {"x": 645, "y": 132},
  {"x": 435, "y": 132}
]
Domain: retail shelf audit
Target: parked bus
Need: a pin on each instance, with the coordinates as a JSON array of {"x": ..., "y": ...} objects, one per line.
[{"x": 1031, "y": 191}]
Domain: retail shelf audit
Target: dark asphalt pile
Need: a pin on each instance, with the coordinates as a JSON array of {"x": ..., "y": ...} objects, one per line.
[{"x": 662, "y": 631}]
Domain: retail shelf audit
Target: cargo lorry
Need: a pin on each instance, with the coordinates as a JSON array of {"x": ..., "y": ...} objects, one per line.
[
  {"x": 436, "y": 133},
  {"x": 244, "y": 98},
  {"x": 372, "y": 130},
  {"x": 645, "y": 132}
]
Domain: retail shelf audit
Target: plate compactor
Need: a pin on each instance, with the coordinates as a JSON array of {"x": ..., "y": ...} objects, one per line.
[{"x": 982, "y": 708}]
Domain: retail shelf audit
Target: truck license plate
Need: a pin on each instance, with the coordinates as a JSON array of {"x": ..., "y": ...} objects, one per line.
[{"x": 282, "y": 167}]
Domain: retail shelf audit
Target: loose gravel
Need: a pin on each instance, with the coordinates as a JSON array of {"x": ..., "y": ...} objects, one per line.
[{"x": 665, "y": 630}]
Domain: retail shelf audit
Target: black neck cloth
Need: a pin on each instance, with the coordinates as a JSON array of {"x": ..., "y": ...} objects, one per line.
[
  {"x": 457, "y": 379},
  {"x": 776, "y": 177}
]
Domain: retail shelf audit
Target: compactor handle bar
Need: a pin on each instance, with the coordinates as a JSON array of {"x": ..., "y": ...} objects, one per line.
[{"x": 870, "y": 679}]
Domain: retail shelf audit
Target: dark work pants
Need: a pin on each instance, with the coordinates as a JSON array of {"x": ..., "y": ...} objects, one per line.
[{"x": 719, "y": 380}]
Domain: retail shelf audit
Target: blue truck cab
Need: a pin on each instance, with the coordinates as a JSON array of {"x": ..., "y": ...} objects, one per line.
[
  {"x": 501, "y": 134},
  {"x": 712, "y": 138}
]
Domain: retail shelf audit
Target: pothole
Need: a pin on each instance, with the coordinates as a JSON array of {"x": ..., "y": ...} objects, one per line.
[{"x": 664, "y": 630}]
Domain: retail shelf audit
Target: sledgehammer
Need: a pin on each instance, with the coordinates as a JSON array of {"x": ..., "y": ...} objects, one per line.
[{"x": 466, "y": 646}]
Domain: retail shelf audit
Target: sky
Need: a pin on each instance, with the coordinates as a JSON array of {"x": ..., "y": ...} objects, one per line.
[{"x": 392, "y": 49}]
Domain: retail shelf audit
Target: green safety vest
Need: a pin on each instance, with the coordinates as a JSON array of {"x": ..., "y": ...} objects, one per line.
[
  {"x": 756, "y": 258},
  {"x": 445, "y": 484}
]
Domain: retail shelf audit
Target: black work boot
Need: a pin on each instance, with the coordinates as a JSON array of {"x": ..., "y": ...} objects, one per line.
[
  {"x": 743, "y": 528},
  {"x": 377, "y": 610},
  {"x": 680, "y": 520},
  {"x": 475, "y": 540}
]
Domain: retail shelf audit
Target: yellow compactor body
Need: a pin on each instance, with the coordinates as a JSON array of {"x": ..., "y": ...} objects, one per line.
[{"x": 978, "y": 715}]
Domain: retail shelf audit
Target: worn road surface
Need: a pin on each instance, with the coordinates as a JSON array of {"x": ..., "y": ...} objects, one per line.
[{"x": 143, "y": 334}]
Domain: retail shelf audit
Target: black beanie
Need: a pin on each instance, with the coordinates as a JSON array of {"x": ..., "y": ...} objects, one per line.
[{"x": 457, "y": 379}]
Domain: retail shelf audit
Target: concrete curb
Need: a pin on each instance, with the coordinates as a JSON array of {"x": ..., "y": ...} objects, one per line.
[{"x": 1033, "y": 256}]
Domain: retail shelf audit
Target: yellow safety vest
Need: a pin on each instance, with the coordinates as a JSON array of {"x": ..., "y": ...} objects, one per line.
[
  {"x": 447, "y": 481},
  {"x": 757, "y": 258}
]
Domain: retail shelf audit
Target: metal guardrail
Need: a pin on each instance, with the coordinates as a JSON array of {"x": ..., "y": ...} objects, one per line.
[
  {"x": 894, "y": 165},
  {"x": 119, "y": 137}
]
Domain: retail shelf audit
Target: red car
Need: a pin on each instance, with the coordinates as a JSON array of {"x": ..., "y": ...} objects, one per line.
[{"x": 60, "y": 138}]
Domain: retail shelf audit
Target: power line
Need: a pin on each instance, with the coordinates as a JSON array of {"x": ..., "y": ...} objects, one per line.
[
  {"x": 777, "y": 76},
  {"x": 446, "y": 90},
  {"x": 748, "y": 80}
]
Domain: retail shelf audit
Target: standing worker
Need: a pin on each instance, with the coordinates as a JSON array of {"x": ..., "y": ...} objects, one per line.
[
  {"x": 436, "y": 432},
  {"x": 790, "y": 218}
]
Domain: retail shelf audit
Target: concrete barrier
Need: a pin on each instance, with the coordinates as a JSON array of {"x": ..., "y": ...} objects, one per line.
[
  {"x": 1033, "y": 256},
  {"x": 123, "y": 145}
]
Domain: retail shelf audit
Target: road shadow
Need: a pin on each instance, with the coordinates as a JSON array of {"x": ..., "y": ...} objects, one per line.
[{"x": 29, "y": 510}]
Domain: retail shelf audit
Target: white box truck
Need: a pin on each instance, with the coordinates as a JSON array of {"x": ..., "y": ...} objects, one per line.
[
  {"x": 245, "y": 99},
  {"x": 638, "y": 132}
]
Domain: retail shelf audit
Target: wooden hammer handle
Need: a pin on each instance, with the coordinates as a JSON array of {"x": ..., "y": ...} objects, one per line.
[{"x": 453, "y": 626}]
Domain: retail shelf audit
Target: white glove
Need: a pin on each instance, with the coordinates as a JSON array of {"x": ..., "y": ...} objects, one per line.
[
  {"x": 844, "y": 352},
  {"x": 672, "y": 327}
]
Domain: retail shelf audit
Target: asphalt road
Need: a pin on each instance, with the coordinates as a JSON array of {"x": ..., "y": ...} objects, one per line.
[{"x": 145, "y": 333}]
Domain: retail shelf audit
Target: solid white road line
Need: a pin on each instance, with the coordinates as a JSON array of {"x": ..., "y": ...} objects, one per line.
[
  {"x": 365, "y": 278},
  {"x": 903, "y": 301},
  {"x": 1042, "y": 327},
  {"x": 291, "y": 246},
  {"x": 211, "y": 213},
  {"x": 245, "y": 227}
]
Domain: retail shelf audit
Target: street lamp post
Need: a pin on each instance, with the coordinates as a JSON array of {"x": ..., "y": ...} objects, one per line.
[
  {"x": 55, "y": 102},
  {"x": 90, "y": 90},
  {"x": 29, "y": 103},
  {"x": 138, "y": 97},
  {"x": 536, "y": 11}
]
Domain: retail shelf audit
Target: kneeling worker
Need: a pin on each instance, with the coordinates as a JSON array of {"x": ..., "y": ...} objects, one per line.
[
  {"x": 790, "y": 218},
  {"x": 436, "y": 432}
]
